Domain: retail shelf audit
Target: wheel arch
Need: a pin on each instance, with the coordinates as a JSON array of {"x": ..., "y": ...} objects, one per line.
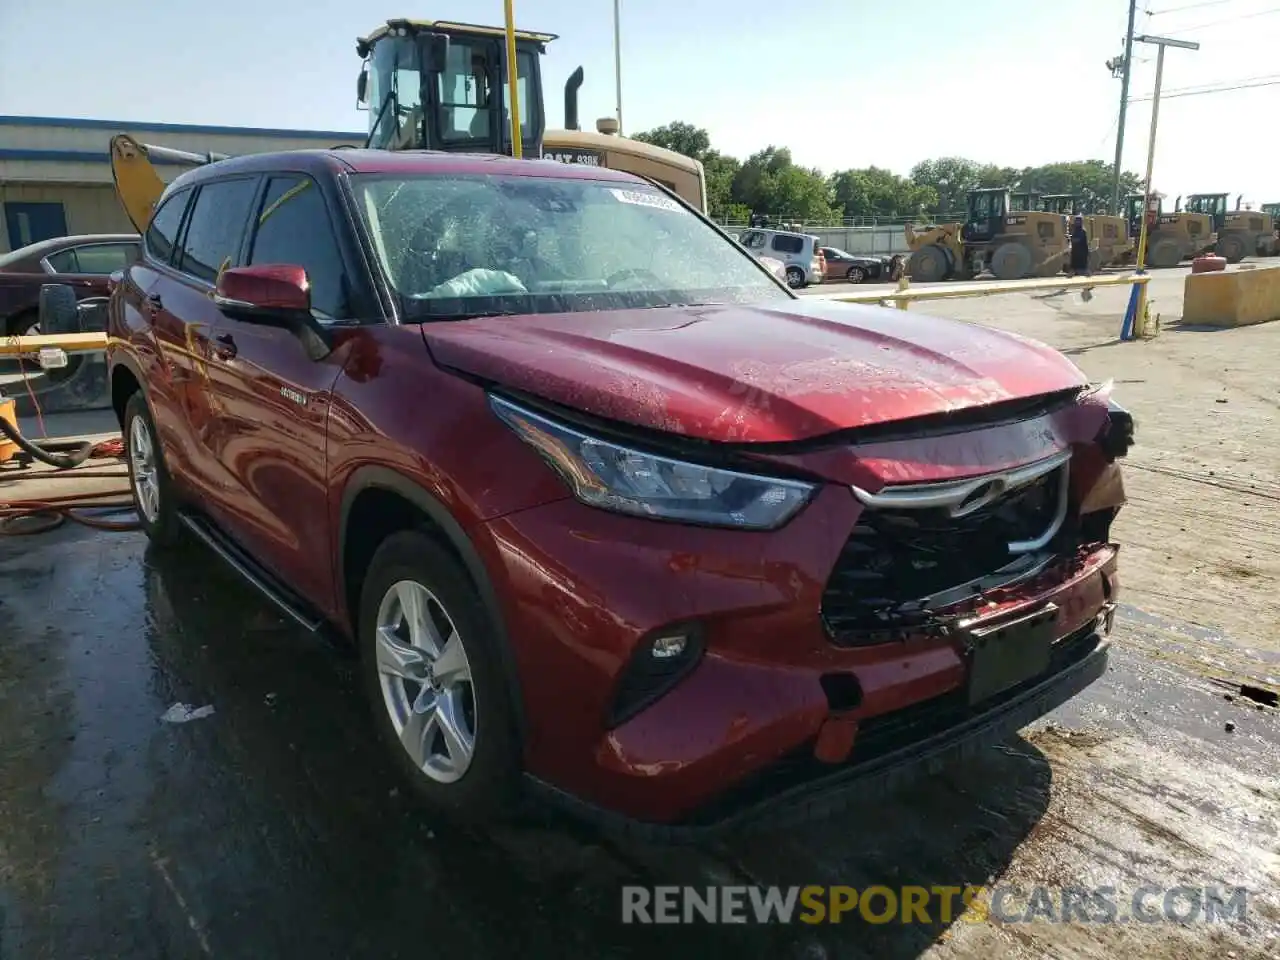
[
  {"x": 125, "y": 381},
  {"x": 413, "y": 506}
]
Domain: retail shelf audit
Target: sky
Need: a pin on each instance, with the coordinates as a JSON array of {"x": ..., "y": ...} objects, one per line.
[{"x": 843, "y": 83}]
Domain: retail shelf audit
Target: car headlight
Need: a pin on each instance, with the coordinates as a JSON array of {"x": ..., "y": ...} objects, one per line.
[{"x": 604, "y": 474}]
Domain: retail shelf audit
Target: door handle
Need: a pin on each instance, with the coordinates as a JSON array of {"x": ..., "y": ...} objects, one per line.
[{"x": 224, "y": 347}]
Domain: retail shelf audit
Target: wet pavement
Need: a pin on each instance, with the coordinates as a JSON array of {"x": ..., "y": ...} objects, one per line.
[{"x": 273, "y": 827}]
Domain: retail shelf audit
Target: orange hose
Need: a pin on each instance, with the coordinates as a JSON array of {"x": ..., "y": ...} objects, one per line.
[{"x": 61, "y": 508}]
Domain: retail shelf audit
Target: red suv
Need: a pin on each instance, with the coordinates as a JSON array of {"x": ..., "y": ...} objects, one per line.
[{"x": 607, "y": 510}]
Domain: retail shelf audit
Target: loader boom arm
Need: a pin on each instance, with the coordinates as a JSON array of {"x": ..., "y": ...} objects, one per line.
[{"x": 138, "y": 186}]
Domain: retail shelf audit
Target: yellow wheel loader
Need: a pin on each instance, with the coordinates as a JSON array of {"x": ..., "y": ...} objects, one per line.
[
  {"x": 1011, "y": 244},
  {"x": 1272, "y": 210},
  {"x": 1109, "y": 239},
  {"x": 440, "y": 85},
  {"x": 1171, "y": 237},
  {"x": 1241, "y": 233}
]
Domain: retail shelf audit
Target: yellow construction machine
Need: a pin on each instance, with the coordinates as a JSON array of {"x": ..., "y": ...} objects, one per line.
[
  {"x": 1272, "y": 210},
  {"x": 1171, "y": 237},
  {"x": 1109, "y": 239},
  {"x": 440, "y": 85},
  {"x": 1241, "y": 233},
  {"x": 1011, "y": 244}
]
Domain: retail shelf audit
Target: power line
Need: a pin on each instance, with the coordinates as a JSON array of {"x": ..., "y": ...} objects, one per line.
[
  {"x": 1215, "y": 84},
  {"x": 1189, "y": 6},
  {"x": 1216, "y": 23},
  {"x": 1201, "y": 93}
]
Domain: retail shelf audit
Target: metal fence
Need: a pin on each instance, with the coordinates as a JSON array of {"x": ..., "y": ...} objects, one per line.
[{"x": 883, "y": 239}]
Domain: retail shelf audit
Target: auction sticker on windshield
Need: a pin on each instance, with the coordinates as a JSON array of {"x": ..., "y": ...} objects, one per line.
[{"x": 643, "y": 199}]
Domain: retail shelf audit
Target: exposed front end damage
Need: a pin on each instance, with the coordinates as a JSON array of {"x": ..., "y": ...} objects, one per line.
[{"x": 952, "y": 579}]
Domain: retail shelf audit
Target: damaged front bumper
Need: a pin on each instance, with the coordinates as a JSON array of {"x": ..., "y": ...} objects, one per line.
[{"x": 970, "y": 732}]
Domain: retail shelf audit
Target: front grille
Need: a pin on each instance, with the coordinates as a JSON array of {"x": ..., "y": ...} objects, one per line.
[{"x": 898, "y": 560}]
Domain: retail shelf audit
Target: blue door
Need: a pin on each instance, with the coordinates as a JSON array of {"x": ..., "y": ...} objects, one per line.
[{"x": 33, "y": 222}]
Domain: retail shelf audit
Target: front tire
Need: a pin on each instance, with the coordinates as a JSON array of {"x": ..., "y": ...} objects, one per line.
[
  {"x": 1231, "y": 248},
  {"x": 431, "y": 667},
  {"x": 148, "y": 476},
  {"x": 795, "y": 278},
  {"x": 856, "y": 275}
]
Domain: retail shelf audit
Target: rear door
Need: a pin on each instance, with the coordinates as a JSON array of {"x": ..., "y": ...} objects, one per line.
[
  {"x": 157, "y": 336},
  {"x": 790, "y": 249},
  {"x": 183, "y": 313},
  {"x": 274, "y": 398}
]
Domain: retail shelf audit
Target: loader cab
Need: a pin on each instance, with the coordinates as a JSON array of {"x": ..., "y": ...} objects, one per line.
[
  {"x": 1212, "y": 205},
  {"x": 1024, "y": 200},
  {"x": 1133, "y": 211},
  {"x": 987, "y": 210},
  {"x": 1065, "y": 204},
  {"x": 1272, "y": 210},
  {"x": 439, "y": 85}
]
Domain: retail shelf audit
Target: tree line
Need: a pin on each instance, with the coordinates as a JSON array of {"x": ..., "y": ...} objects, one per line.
[{"x": 771, "y": 182}]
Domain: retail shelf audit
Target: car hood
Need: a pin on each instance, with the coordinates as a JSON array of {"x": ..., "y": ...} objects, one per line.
[{"x": 752, "y": 374}]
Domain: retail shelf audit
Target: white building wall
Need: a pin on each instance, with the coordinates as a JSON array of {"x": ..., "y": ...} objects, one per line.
[
  {"x": 54, "y": 160},
  {"x": 88, "y": 209}
]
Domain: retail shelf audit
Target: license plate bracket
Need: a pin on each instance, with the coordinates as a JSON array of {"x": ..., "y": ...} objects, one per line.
[{"x": 1005, "y": 654}]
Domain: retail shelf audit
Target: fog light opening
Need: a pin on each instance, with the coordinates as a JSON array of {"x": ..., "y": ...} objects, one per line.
[
  {"x": 843, "y": 691},
  {"x": 657, "y": 665},
  {"x": 669, "y": 646}
]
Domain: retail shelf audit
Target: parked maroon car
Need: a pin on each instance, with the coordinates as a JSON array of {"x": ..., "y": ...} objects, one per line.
[
  {"x": 608, "y": 511},
  {"x": 83, "y": 263}
]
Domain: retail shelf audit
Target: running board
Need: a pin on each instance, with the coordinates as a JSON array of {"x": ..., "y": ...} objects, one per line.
[{"x": 266, "y": 583}]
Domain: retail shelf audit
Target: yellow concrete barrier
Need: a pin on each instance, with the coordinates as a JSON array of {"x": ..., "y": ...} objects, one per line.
[
  {"x": 67, "y": 342},
  {"x": 905, "y": 294},
  {"x": 1234, "y": 298}
]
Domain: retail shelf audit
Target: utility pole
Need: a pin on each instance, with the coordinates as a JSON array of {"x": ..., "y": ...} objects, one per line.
[
  {"x": 617, "y": 57},
  {"x": 1124, "y": 104},
  {"x": 1160, "y": 43}
]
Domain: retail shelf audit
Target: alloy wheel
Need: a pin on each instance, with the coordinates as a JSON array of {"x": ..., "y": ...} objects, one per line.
[
  {"x": 426, "y": 682},
  {"x": 142, "y": 464}
]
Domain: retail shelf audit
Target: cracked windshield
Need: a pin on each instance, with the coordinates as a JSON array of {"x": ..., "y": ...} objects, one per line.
[{"x": 495, "y": 244}]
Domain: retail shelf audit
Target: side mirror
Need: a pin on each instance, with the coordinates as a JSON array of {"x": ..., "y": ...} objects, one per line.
[
  {"x": 274, "y": 295},
  {"x": 435, "y": 46},
  {"x": 362, "y": 85},
  {"x": 264, "y": 293}
]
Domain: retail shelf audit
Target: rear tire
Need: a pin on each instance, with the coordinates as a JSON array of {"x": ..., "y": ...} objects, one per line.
[
  {"x": 431, "y": 668},
  {"x": 148, "y": 476},
  {"x": 1011, "y": 261},
  {"x": 1165, "y": 254},
  {"x": 928, "y": 264},
  {"x": 1231, "y": 249}
]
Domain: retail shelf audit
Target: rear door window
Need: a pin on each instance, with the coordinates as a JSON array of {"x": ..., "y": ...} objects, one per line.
[
  {"x": 213, "y": 237},
  {"x": 164, "y": 226},
  {"x": 785, "y": 244},
  {"x": 97, "y": 259}
]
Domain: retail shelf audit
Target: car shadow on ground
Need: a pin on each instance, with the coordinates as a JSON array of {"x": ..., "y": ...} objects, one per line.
[{"x": 276, "y": 827}]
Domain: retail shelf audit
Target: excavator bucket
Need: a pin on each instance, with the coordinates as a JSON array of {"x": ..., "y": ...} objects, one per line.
[{"x": 138, "y": 186}]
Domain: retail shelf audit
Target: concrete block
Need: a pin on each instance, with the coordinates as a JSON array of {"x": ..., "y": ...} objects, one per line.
[{"x": 1234, "y": 298}]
